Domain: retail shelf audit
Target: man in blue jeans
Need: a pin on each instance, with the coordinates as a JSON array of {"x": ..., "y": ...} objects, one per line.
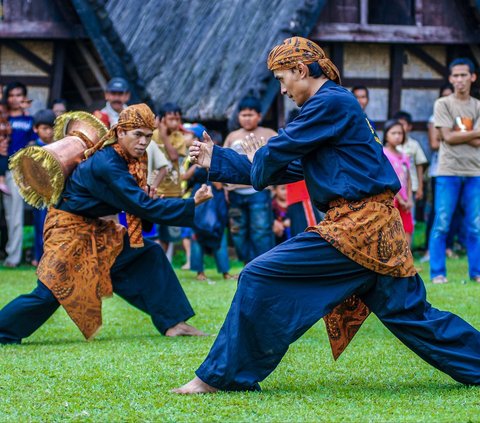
[
  {"x": 458, "y": 180},
  {"x": 251, "y": 216}
]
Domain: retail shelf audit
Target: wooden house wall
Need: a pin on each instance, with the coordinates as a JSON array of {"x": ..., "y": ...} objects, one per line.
[
  {"x": 341, "y": 11},
  {"x": 30, "y": 11},
  {"x": 38, "y": 41},
  {"x": 399, "y": 49},
  {"x": 13, "y": 66},
  {"x": 44, "y": 46},
  {"x": 368, "y": 63},
  {"x": 439, "y": 13},
  {"x": 39, "y": 19},
  {"x": 446, "y": 13}
]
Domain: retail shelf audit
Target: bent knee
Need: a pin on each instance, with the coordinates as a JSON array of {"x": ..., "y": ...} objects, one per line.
[{"x": 44, "y": 293}]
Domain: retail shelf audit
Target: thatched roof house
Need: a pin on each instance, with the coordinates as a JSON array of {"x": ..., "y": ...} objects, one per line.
[
  {"x": 204, "y": 55},
  {"x": 207, "y": 54}
]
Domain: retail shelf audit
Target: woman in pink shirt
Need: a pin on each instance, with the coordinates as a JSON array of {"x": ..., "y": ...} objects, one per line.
[{"x": 394, "y": 135}]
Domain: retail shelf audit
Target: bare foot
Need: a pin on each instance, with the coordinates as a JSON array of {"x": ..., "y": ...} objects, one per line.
[
  {"x": 184, "y": 329},
  {"x": 195, "y": 386},
  {"x": 228, "y": 276},
  {"x": 439, "y": 279},
  {"x": 201, "y": 276},
  {"x": 451, "y": 254}
]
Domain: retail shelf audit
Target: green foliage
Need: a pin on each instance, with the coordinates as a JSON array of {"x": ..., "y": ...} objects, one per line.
[{"x": 126, "y": 374}]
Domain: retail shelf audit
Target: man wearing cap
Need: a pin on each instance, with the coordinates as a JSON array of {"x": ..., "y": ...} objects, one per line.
[
  {"x": 354, "y": 262},
  {"x": 117, "y": 94},
  {"x": 87, "y": 258}
]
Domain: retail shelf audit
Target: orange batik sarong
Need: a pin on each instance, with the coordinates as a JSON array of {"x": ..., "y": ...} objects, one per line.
[
  {"x": 370, "y": 233},
  {"x": 78, "y": 255}
]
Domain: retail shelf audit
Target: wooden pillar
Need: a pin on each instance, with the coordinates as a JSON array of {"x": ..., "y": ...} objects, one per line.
[
  {"x": 56, "y": 81},
  {"x": 82, "y": 90},
  {"x": 418, "y": 12},
  {"x": 92, "y": 64},
  {"x": 337, "y": 56},
  {"x": 396, "y": 74},
  {"x": 363, "y": 12}
]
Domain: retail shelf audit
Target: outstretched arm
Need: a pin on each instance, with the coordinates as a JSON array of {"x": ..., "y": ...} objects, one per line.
[
  {"x": 226, "y": 165},
  {"x": 229, "y": 166},
  {"x": 124, "y": 193}
]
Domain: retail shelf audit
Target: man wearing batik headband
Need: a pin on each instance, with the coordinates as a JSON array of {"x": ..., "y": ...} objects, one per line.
[
  {"x": 354, "y": 262},
  {"x": 87, "y": 258}
]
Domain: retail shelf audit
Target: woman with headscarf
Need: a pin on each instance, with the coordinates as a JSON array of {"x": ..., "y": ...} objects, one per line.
[{"x": 87, "y": 258}]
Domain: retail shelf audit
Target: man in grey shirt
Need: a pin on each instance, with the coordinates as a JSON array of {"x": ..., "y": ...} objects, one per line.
[{"x": 458, "y": 180}]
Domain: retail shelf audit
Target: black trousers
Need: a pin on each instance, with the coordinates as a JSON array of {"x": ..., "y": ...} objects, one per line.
[{"x": 141, "y": 276}]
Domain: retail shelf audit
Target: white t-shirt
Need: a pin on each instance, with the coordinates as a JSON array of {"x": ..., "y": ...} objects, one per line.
[
  {"x": 156, "y": 160},
  {"x": 414, "y": 151}
]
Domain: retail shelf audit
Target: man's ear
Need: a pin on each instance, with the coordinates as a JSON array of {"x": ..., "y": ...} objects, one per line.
[
  {"x": 120, "y": 133},
  {"x": 303, "y": 70},
  {"x": 474, "y": 77}
]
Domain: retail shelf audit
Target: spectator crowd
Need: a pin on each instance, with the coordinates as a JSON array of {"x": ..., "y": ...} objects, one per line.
[{"x": 442, "y": 192}]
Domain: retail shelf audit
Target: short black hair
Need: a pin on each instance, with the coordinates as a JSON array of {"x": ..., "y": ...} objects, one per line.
[
  {"x": 389, "y": 124},
  {"x": 60, "y": 101},
  {"x": 169, "y": 108},
  {"x": 403, "y": 115},
  {"x": 315, "y": 70},
  {"x": 250, "y": 103},
  {"x": 462, "y": 61},
  {"x": 11, "y": 86},
  {"x": 44, "y": 117},
  {"x": 446, "y": 86},
  {"x": 360, "y": 87}
]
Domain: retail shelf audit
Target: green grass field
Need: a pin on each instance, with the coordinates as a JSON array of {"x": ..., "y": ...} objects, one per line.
[{"x": 127, "y": 372}]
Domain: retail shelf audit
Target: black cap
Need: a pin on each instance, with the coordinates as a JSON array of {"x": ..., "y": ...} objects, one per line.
[
  {"x": 44, "y": 117},
  {"x": 117, "y": 85}
]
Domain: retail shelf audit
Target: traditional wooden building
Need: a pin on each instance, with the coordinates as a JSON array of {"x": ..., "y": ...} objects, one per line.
[
  {"x": 400, "y": 49},
  {"x": 44, "y": 45},
  {"x": 206, "y": 55}
]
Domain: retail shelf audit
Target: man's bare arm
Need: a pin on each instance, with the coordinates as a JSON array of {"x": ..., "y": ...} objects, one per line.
[
  {"x": 433, "y": 137},
  {"x": 458, "y": 137},
  {"x": 475, "y": 142},
  {"x": 169, "y": 149},
  {"x": 159, "y": 177}
]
